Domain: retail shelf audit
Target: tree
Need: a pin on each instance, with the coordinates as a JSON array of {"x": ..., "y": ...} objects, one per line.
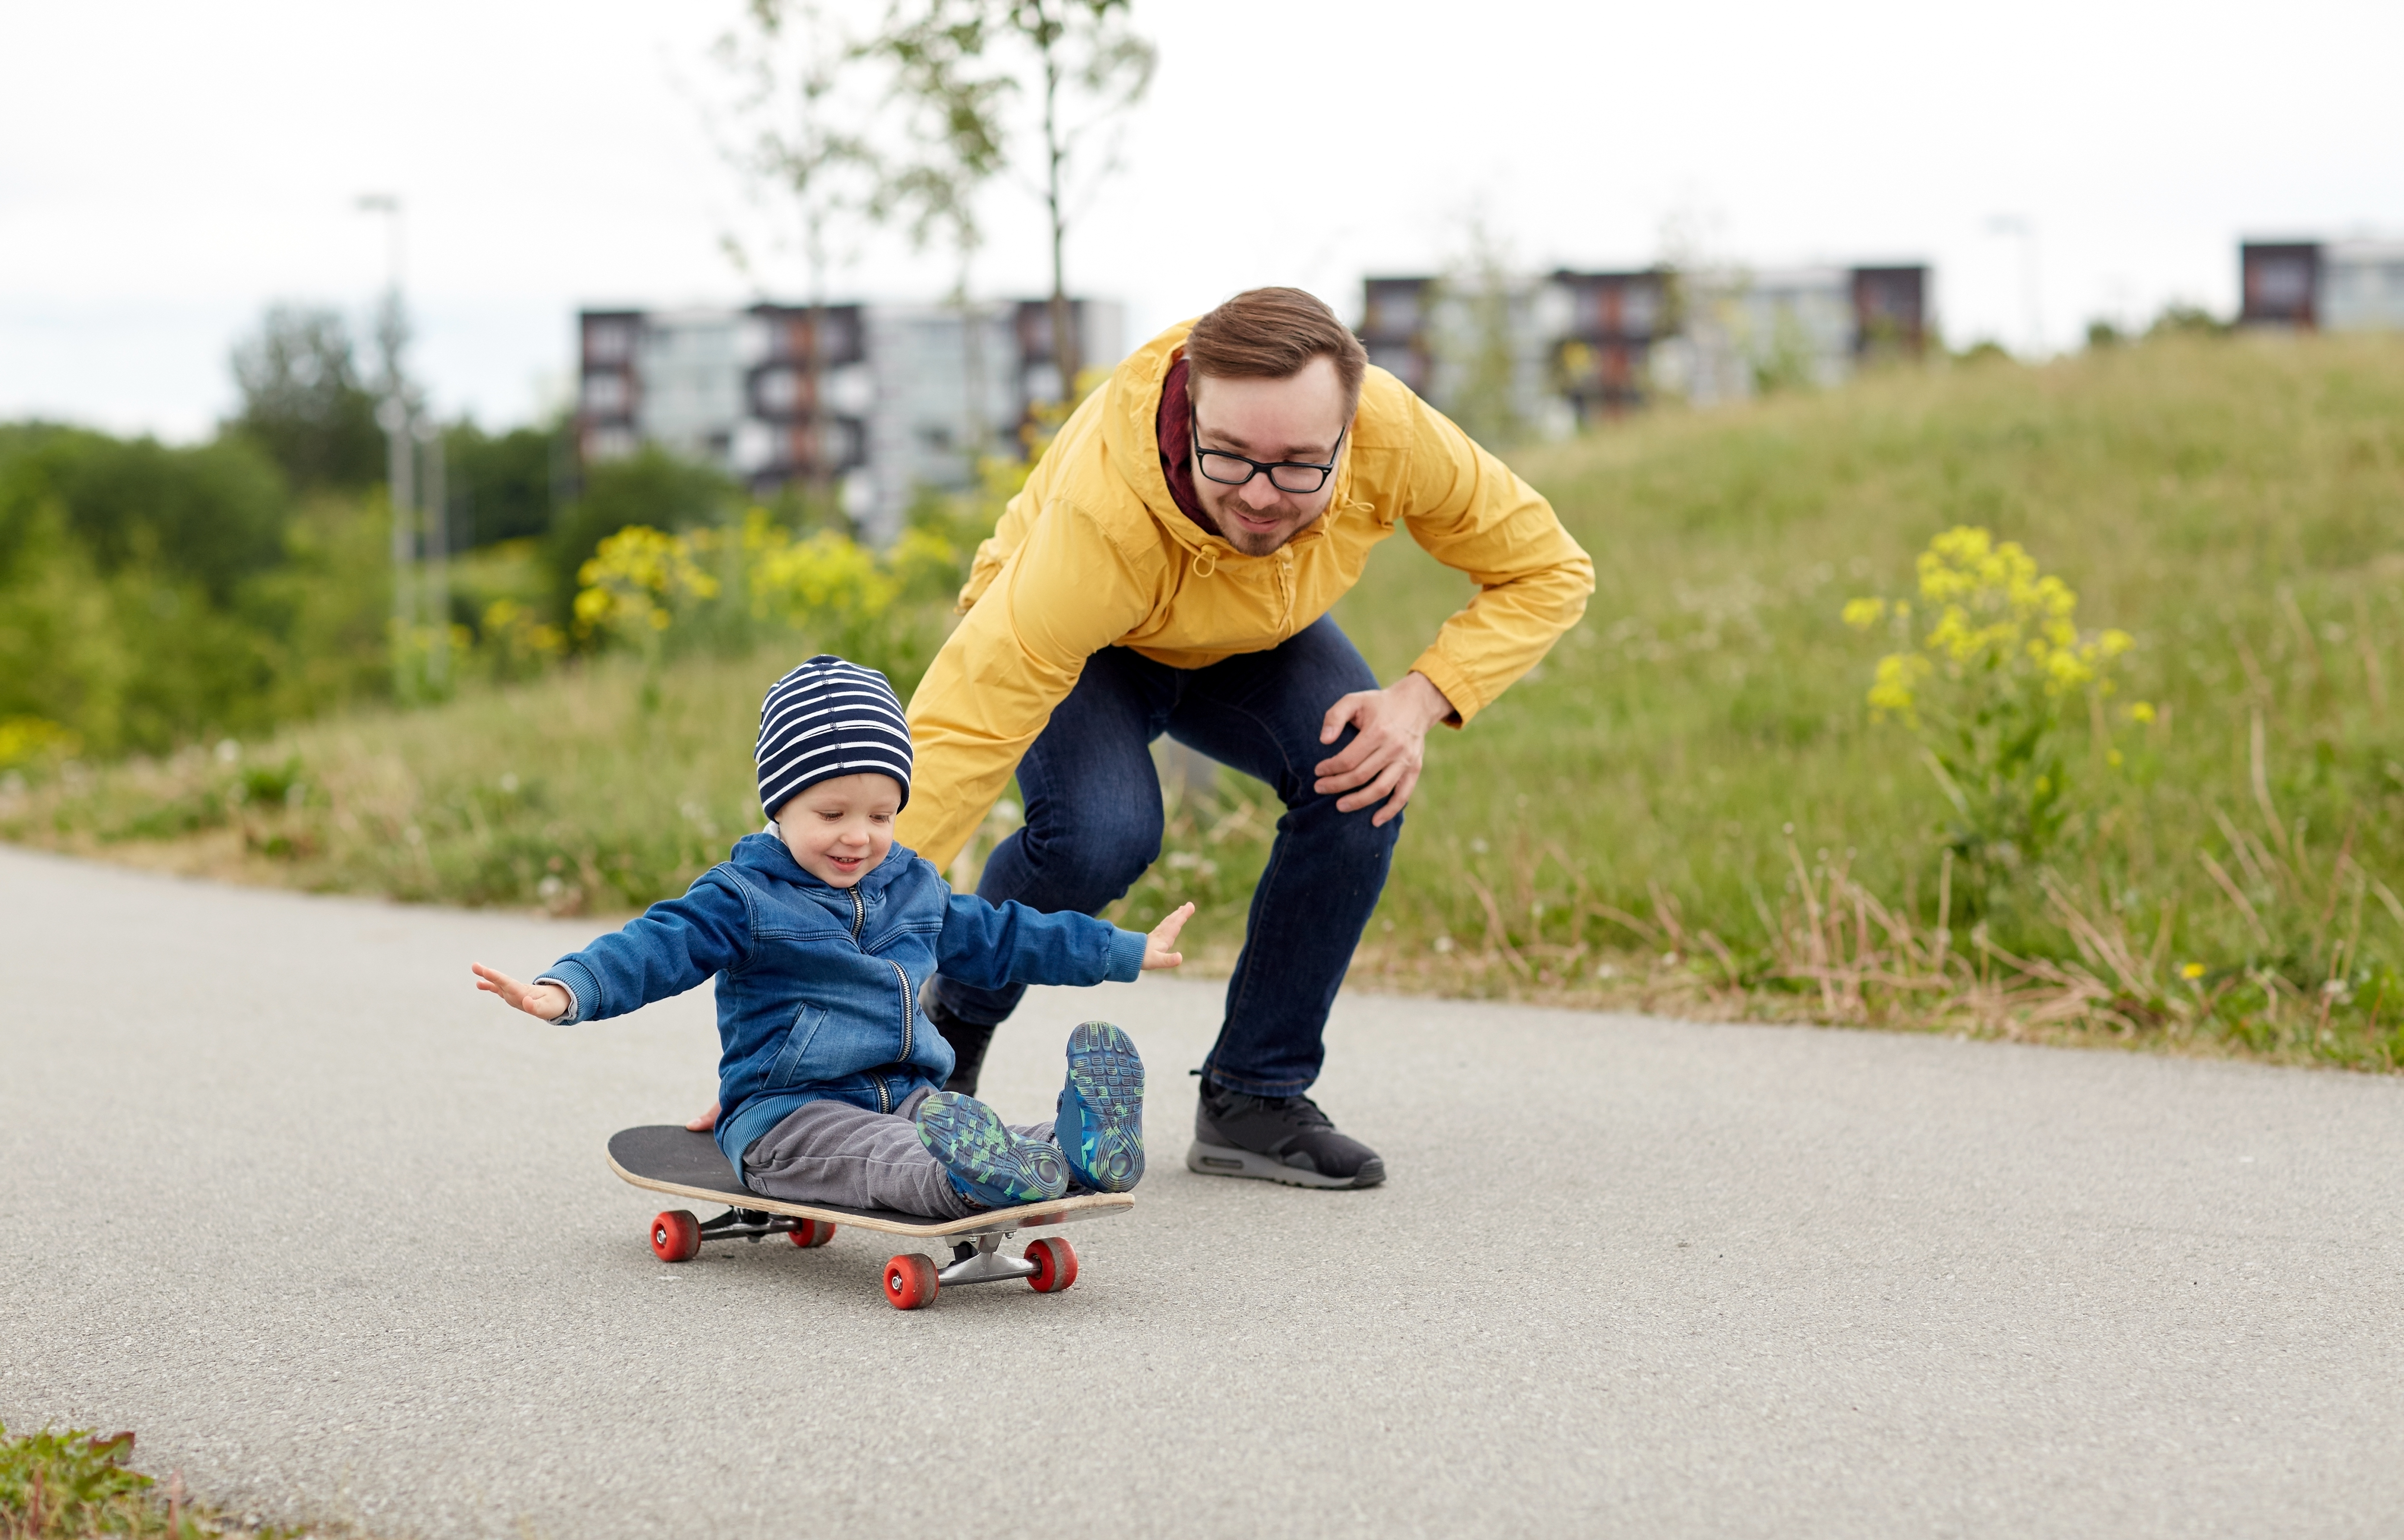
[
  {"x": 788, "y": 60},
  {"x": 302, "y": 400},
  {"x": 952, "y": 120},
  {"x": 1080, "y": 60},
  {"x": 1084, "y": 45},
  {"x": 500, "y": 484}
]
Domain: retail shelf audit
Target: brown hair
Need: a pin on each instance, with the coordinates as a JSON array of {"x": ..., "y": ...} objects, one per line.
[{"x": 1273, "y": 334}]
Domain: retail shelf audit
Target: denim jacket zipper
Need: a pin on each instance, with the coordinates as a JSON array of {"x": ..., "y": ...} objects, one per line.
[{"x": 901, "y": 977}]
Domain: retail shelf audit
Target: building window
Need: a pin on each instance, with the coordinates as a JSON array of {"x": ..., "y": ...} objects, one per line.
[
  {"x": 605, "y": 394},
  {"x": 609, "y": 341}
]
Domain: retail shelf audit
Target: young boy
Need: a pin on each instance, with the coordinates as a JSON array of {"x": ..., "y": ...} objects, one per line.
[{"x": 820, "y": 933}]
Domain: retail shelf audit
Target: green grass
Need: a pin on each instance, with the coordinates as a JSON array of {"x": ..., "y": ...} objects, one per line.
[
  {"x": 1693, "y": 773},
  {"x": 75, "y": 1486}
]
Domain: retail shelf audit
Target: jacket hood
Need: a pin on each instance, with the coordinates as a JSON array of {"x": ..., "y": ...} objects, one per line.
[
  {"x": 765, "y": 854},
  {"x": 1130, "y": 430}
]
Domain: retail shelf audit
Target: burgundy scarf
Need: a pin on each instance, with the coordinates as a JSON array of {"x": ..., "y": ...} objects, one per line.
[{"x": 1174, "y": 428}]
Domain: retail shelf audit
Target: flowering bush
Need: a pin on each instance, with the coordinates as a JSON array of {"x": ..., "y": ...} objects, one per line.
[
  {"x": 637, "y": 580},
  {"x": 733, "y": 588},
  {"x": 1984, "y": 675},
  {"x": 25, "y": 739}
]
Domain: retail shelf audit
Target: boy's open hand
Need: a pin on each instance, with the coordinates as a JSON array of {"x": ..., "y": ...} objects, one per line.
[
  {"x": 547, "y": 1000},
  {"x": 1160, "y": 947}
]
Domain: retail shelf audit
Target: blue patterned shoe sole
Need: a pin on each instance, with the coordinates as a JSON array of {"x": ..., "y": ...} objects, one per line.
[
  {"x": 986, "y": 1161},
  {"x": 1100, "y": 1125}
]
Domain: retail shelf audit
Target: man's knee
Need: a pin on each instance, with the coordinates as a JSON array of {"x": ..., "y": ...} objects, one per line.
[{"x": 1105, "y": 851}]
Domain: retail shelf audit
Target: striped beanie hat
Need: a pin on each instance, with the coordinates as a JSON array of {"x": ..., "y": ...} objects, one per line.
[{"x": 829, "y": 718}]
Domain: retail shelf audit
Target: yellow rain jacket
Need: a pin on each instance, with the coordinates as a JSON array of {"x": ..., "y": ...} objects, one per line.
[{"x": 1095, "y": 553}]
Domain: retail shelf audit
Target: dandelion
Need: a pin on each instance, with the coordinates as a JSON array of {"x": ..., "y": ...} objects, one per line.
[{"x": 2191, "y": 971}]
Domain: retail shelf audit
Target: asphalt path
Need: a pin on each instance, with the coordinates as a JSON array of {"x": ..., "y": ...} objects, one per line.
[{"x": 336, "y": 1236}]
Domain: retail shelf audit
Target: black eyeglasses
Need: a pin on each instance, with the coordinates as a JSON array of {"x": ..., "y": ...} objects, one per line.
[{"x": 1295, "y": 476}]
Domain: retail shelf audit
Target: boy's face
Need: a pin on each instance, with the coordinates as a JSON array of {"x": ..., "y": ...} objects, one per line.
[{"x": 840, "y": 829}]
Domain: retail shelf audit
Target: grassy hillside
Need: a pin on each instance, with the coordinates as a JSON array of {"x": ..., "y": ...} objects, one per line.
[{"x": 1689, "y": 803}]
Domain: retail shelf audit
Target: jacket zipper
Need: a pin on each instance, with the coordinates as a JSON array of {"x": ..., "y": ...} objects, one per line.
[
  {"x": 909, "y": 1007},
  {"x": 859, "y": 919}
]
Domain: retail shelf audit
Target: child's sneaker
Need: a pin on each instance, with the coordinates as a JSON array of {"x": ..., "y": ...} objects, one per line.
[
  {"x": 1100, "y": 1124},
  {"x": 986, "y": 1162}
]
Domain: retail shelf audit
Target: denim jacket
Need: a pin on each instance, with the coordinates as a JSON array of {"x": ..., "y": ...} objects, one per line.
[{"x": 817, "y": 986}]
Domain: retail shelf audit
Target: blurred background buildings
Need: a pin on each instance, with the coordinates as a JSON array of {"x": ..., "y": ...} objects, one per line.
[
  {"x": 1573, "y": 349},
  {"x": 886, "y": 400},
  {"x": 2323, "y": 285},
  {"x": 879, "y": 401}
]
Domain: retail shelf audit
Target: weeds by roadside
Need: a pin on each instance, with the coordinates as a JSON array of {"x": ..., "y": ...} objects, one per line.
[{"x": 75, "y": 1485}]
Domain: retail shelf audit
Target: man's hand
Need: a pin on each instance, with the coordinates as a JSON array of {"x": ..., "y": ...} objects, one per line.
[
  {"x": 1383, "y": 761},
  {"x": 546, "y": 1001},
  {"x": 1160, "y": 947},
  {"x": 705, "y": 1122}
]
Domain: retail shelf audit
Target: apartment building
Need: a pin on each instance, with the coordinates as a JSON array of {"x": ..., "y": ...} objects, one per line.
[
  {"x": 1586, "y": 347},
  {"x": 878, "y": 399},
  {"x": 2322, "y": 285}
]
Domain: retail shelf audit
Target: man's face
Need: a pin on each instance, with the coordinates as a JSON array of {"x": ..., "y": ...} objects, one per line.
[{"x": 1297, "y": 418}]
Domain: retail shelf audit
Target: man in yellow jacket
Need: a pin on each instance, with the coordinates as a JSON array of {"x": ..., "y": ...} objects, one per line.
[{"x": 1169, "y": 568}]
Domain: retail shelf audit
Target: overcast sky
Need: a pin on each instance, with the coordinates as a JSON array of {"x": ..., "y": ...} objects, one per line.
[{"x": 168, "y": 169}]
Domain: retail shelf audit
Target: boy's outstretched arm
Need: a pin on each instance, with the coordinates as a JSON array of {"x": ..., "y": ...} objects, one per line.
[
  {"x": 546, "y": 1002},
  {"x": 987, "y": 946},
  {"x": 666, "y": 950}
]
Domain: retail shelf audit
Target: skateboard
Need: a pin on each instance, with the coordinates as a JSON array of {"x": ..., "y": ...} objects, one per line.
[{"x": 666, "y": 1159}]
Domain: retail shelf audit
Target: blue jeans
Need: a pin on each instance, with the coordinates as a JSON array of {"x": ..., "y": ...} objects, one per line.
[{"x": 1094, "y": 823}]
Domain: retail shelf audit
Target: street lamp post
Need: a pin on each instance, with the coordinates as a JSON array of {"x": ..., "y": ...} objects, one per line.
[
  {"x": 437, "y": 585},
  {"x": 395, "y": 416},
  {"x": 2031, "y": 303}
]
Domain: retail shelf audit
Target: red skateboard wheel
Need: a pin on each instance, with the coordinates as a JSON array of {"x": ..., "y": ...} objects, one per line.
[
  {"x": 1056, "y": 1265},
  {"x": 812, "y": 1232},
  {"x": 909, "y": 1282},
  {"x": 676, "y": 1236}
]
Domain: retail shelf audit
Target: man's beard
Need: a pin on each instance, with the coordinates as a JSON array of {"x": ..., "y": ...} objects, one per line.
[{"x": 1258, "y": 543}]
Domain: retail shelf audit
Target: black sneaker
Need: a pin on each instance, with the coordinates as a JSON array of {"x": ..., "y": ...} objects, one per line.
[{"x": 1276, "y": 1139}]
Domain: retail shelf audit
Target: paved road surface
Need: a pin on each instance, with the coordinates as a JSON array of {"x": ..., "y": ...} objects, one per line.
[{"x": 335, "y": 1234}]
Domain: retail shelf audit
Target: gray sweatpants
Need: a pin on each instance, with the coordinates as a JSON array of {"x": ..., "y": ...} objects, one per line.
[{"x": 833, "y": 1152}]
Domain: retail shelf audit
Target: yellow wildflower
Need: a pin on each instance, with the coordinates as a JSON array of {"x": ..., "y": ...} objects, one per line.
[
  {"x": 1897, "y": 673},
  {"x": 1861, "y": 614}
]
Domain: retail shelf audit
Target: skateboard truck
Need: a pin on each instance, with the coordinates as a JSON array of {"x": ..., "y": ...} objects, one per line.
[
  {"x": 752, "y": 1225},
  {"x": 676, "y": 1237},
  {"x": 984, "y": 1263}
]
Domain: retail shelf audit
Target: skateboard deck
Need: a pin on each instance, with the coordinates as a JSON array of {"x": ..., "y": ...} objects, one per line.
[{"x": 667, "y": 1159}]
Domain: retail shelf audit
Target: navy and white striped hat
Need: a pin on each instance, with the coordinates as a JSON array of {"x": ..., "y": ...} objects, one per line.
[{"x": 829, "y": 718}]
